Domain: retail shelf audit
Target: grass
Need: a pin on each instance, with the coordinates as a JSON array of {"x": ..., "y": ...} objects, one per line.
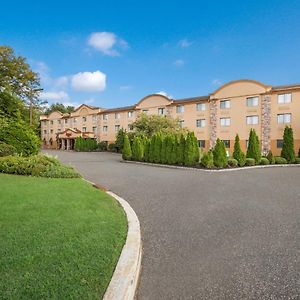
[{"x": 60, "y": 238}]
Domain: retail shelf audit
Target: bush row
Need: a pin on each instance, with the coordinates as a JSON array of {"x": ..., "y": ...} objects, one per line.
[{"x": 36, "y": 165}]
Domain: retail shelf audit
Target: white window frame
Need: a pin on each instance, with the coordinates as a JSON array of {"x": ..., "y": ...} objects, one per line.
[
  {"x": 284, "y": 118},
  {"x": 181, "y": 123},
  {"x": 226, "y": 102},
  {"x": 202, "y": 106},
  {"x": 117, "y": 116},
  {"x": 84, "y": 119},
  {"x": 130, "y": 114},
  {"x": 105, "y": 117},
  {"x": 161, "y": 111},
  {"x": 94, "y": 129},
  {"x": 252, "y": 101},
  {"x": 117, "y": 128},
  {"x": 225, "y": 122},
  {"x": 180, "y": 109},
  {"x": 200, "y": 123},
  {"x": 252, "y": 120},
  {"x": 84, "y": 129},
  {"x": 94, "y": 118},
  {"x": 105, "y": 128},
  {"x": 284, "y": 98}
]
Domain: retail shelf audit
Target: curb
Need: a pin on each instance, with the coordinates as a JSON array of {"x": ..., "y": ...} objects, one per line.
[
  {"x": 209, "y": 170},
  {"x": 124, "y": 282}
]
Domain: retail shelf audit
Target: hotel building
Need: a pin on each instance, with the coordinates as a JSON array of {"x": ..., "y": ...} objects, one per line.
[{"x": 233, "y": 108}]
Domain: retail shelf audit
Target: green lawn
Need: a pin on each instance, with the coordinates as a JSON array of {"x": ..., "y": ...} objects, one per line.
[{"x": 59, "y": 238}]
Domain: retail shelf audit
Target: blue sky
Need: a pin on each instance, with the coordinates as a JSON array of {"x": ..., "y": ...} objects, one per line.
[{"x": 113, "y": 53}]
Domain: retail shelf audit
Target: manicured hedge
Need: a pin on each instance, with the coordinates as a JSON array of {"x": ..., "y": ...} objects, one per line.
[
  {"x": 250, "y": 161},
  {"x": 232, "y": 162},
  {"x": 6, "y": 149},
  {"x": 264, "y": 161},
  {"x": 82, "y": 144},
  {"x": 280, "y": 160}
]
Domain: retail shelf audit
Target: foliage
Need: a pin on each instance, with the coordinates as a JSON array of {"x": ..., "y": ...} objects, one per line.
[
  {"x": 280, "y": 160},
  {"x": 126, "y": 153},
  {"x": 238, "y": 154},
  {"x": 120, "y": 140},
  {"x": 59, "y": 107},
  {"x": 232, "y": 162},
  {"x": 288, "y": 151},
  {"x": 253, "y": 150},
  {"x": 297, "y": 160},
  {"x": 137, "y": 149},
  {"x": 6, "y": 150},
  {"x": 189, "y": 153},
  {"x": 148, "y": 125},
  {"x": 299, "y": 153},
  {"x": 82, "y": 144},
  {"x": 180, "y": 150},
  {"x": 102, "y": 146},
  {"x": 16, "y": 133},
  {"x": 219, "y": 152},
  {"x": 36, "y": 165},
  {"x": 271, "y": 157},
  {"x": 250, "y": 161},
  {"x": 207, "y": 160},
  {"x": 264, "y": 161},
  {"x": 163, "y": 153},
  {"x": 152, "y": 148},
  {"x": 157, "y": 148},
  {"x": 195, "y": 147}
]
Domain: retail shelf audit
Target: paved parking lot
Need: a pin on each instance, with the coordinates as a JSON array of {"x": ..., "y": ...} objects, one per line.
[{"x": 232, "y": 235}]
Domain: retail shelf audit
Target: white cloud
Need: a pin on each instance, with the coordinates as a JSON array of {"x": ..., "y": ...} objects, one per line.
[
  {"x": 61, "y": 82},
  {"x": 185, "y": 43},
  {"x": 105, "y": 42},
  {"x": 163, "y": 93},
  {"x": 178, "y": 63},
  {"x": 55, "y": 96},
  {"x": 216, "y": 82},
  {"x": 89, "y": 81}
]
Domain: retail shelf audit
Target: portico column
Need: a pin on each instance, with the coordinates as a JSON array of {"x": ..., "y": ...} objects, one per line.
[
  {"x": 62, "y": 144},
  {"x": 68, "y": 144}
]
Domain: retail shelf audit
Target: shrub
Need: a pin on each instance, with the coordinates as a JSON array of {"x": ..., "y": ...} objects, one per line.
[
  {"x": 264, "y": 161},
  {"x": 253, "y": 150},
  {"x": 189, "y": 154},
  {"x": 299, "y": 153},
  {"x": 238, "y": 154},
  {"x": 82, "y": 144},
  {"x": 232, "y": 162},
  {"x": 120, "y": 140},
  {"x": 113, "y": 147},
  {"x": 163, "y": 153},
  {"x": 280, "y": 160},
  {"x": 37, "y": 165},
  {"x": 288, "y": 151},
  {"x": 151, "y": 148},
  {"x": 250, "y": 161},
  {"x": 219, "y": 153},
  {"x": 157, "y": 148},
  {"x": 271, "y": 158},
  {"x": 6, "y": 149},
  {"x": 297, "y": 160},
  {"x": 173, "y": 156},
  {"x": 126, "y": 153},
  {"x": 102, "y": 146},
  {"x": 180, "y": 150},
  {"x": 207, "y": 160}
]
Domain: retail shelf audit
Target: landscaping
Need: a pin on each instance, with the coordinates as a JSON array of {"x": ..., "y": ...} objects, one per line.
[{"x": 60, "y": 238}]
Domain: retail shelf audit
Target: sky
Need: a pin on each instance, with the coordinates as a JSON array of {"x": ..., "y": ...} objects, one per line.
[{"x": 113, "y": 53}]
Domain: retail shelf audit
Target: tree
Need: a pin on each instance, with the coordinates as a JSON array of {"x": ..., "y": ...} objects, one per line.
[
  {"x": 152, "y": 148},
  {"x": 146, "y": 148},
  {"x": 163, "y": 154},
  {"x": 219, "y": 153},
  {"x": 149, "y": 125},
  {"x": 10, "y": 105},
  {"x": 271, "y": 157},
  {"x": 173, "y": 157},
  {"x": 196, "y": 147},
  {"x": 180, "y": 150},
  {"x": 288, "y": 151},
  {"x": 189, "y": 154},
  {"x": 208, "y": 160},
  {"x": 238, "y": 154},
  {"x": 120, "y": 139},
  {"x": 59, "y": 107},
  {"x": 157, "y": 148},
  {"x": 126, "y": 153},
  {"x": 253, "y": 150}
]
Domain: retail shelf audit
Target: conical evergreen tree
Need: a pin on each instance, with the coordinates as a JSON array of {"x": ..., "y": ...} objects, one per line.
[
  {"x": 152, "y": 148},
  {"x": 253, "y": 150},
  {"x": 146, "y": 149},
  {"x": 126, "y": 153},
  {"x": 189, "y": 155},
  {"x": 238, "y": 154},
  {"x": 135, "y": 148},
  {"x": 163, "y": 153},
  {"x": 174, "y": 149},
  {"x": 288, "y": 151},
  {"x": 139, "y": 149},
  {"x": 219, "y": 153},
  {"x": 180, "y": 150},
  {"x": 157, "y": 148}
]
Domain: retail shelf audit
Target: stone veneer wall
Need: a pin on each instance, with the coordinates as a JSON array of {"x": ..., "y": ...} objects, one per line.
[
  {"x": 213, "y": 110},
  {"x": 266, "y": 123}
]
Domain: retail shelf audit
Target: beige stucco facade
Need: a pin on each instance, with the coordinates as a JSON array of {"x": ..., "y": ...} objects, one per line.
[{"x": 235, "y": 107}]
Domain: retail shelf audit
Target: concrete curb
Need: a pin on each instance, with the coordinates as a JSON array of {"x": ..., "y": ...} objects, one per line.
[
  {"x": 124, "y": 282},
  {"x": 210, "y": 170}
]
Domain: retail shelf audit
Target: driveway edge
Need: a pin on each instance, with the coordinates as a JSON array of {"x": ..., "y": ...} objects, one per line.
[{"x": 211, "y": 170}]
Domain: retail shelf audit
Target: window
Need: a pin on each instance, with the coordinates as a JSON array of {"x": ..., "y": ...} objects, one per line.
[
  {"x": 105, "y": 117},
  {"x": 161, "y": 111},
  {"x": 181, "y": 123},
  {"x": 200, "y": 106},
  {"x": 129, "y": 127},
  {"x": 51, "y": 131},
  {"x": 284, "y": 118},
  {"x": 130, "y": 114},
  {"x": 225, "y": 121},
  {"x": 105, "y": 128},
  {"x": 279, "y": 144},
  {"x": 252, "y": 101},
  {"x": 94, "y": 118},
  {"x": 59, "y": 121},
  {"x": 74, "y": 120},
  {"x": 83, "y": 119},
  {"x": 180, "y": 109},
  {"x": 45, "y": 131},
  {"x": 84, "y": 129},
  {"x": 145, "y": 111},
  {"x": 226, "y": 143},
  {"x": 225, "y": 104},
  {"x": 252, "y": 120},
  {"x": 200, "y": 123},
  {"x": 66, "y": 121},
  {"x": 58, "y": 130},
  {"x": 201, "y": 143},
  {"x": 117, "y": 128},
  {"x": 247, "y": 144},
  {"x": 117, "y": 116},
  {"x": 94, "y": 129},
  {"x": 284, "y": 98},
  {"x": 51, "y": 122}
]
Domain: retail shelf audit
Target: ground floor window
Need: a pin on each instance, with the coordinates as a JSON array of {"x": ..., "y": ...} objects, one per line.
[
  {"x": 226, "y": 143},
  {"x": 279, "y": 144},
  {"x": 201, "y": 143}
]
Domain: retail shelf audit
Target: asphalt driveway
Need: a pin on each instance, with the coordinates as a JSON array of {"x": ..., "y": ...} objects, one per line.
[{"x": 232, "y": 235}]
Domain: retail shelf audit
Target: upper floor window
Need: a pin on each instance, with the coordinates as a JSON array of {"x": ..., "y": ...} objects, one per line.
[
  {"x": 84, "y": 129},
  {"x": 117, "y": 116},
  {"x": 105, "y": 117},
  {"x": 252, "y": 101},
  {"x": 58, "y": 130},
  {"x": 83, "y": 119},
  {"x": 252, "y": 120},
  {"x": 201, "y": 143},
  {"x": 226, "y": 143},
  {"x": 66, "y": 121},
  {"x": 225, "y": 104},
  {"x": 59, "y": 121},
  {"x": 284, "y": 98},
  {"x": 181, "y": 123},
  {"x": 74, "y": 120},
  {"x": 225, "y": 121},
  {"x": 105, "y": 128},
  {"x": 145, "y": 111},
  {"x": 200, "y": 106},
  {"x": 94, "y": 118},
  {"x": 180, "y": 109},
  {"x": 200, "y": 123},
  {"x": 51, "y": 131},
  {"x": 161, "y": 111},
  {"x": 51, "y": 122},
  {"x": 129, "y": 127},
  {"x": 284, "y": 118},
  {"x": 117, "y": 128},
  {"x": 45, "y": 131},
  {"x": 94, "y": 129},
  {"x": 130, "y": 114}
]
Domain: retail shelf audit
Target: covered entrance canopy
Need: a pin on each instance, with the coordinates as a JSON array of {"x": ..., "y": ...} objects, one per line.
[{"x": 66, "y": 139}]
